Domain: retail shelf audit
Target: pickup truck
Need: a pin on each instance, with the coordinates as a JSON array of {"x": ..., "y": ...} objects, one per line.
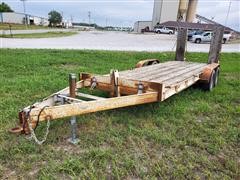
[
  {"x": 163, "y": 30},
  {"x": 192, "y": 33},
  {"x": 207, "y": 36}
]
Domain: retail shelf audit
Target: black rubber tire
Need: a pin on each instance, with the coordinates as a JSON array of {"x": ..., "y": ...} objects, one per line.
[
  {"x": 210, "y": 85},
  {"x": 224, "y": 41},
  {"x": 216, "y": 76},
  {"x": 198, "y": 41},
  {"x": 154, "y": 62}
]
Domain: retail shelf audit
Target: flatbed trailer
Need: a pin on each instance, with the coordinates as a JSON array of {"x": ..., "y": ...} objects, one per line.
[{"x": 149, "y": 82}]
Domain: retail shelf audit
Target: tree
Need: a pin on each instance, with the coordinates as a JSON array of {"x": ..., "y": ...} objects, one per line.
[
  {"x": 54, "y": 18},
  {"x": 5, "y": 8}
]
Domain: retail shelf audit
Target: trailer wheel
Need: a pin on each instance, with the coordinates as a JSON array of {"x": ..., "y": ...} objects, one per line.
[
  {"x": 154, "y": 62},
  {"x": 210, "y": 84},
  {"x": 216, "y": 76}
]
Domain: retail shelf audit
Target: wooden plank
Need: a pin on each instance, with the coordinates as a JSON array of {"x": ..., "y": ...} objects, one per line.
[
  {"x": 145, "y": 76},
  {"x": 107, "y": 87},
  {"x": 178, "y": 73},
  {"x": 166, "y": 73},
  {"x": 147, "y": 69},
  {"x": 75, "y": 109},
  {"x": 88, "y": 96},
  {"x": 194, "y": 73},
  {"x": 103, "y": 82},
  {"x": 179, "y": 87},
  {"x": 216, "y": 45},
  {"x": 162, "y": 76},
  {"x": 181, "y": 44}
]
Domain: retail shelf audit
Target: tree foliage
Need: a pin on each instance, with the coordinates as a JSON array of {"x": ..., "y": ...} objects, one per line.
[
  {"x": 54, "y": 18},
  {"x": 5, "y": 8}
]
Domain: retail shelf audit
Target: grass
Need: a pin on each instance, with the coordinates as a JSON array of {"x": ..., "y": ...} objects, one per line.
[
  {"x": 4, "y": 26},
  {"x": 40, "y": 35},
  {"x": 192, "y": 135}
]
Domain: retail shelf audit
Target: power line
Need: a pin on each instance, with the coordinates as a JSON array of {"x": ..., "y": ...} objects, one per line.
[{"x": 229, "y": 7}]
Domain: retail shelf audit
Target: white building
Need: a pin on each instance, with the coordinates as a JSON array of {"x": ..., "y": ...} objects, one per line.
[
  {"x": 169, "y": 10},
  {"x": 139, "y": 25},
  {"x": 20, "y": 18}
]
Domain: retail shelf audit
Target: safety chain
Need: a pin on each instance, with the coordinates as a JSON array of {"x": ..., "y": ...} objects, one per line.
[{"x": 33, "y": 135}]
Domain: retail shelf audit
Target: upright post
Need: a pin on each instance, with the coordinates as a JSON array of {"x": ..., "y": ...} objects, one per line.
[
  {"x": 115, "y": 92},
  {"x": 216, "y": 45},
  {"x": 181, "y": 44},
  {"x": 73, "y": 121}
]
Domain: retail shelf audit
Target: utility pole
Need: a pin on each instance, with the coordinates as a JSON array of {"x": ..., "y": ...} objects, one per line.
[
  {"x": 229, "y": 7},
  {"x": 89, "y": 18},
  {"x": 62, "y": 23},
  {"x": 24, "y": 10},
  {"x": 71, "y": 23},
  {"x": 62, "y": 14}
]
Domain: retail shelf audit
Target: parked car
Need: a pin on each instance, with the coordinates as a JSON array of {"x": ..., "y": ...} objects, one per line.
[
  {"x": 207, "y": 36},
  {"x": 192, "y": 33},
  {"x": 163, "y": 30}
]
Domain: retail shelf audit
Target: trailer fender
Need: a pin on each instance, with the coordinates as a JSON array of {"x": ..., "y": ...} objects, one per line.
[
  {"x": 147, "y": 62},
  {"x": 207, "y": 72}
]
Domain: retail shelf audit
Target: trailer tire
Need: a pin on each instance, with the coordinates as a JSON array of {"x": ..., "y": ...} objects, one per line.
[
  {"x": 210, "y": 84},
  {"x": 154, "y": 62},
  {"x": 216, "y": 76}
]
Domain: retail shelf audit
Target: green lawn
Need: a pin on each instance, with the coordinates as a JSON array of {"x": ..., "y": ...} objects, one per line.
[
  {"x": 192, "y": 135},
  {"x": 4, "y": 26},
  {"x": 41, "y": 35}
]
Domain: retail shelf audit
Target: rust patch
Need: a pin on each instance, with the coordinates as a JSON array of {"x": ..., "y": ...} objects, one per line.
[{"x": 205, "y": 76}]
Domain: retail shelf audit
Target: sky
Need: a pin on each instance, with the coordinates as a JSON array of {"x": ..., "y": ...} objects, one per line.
[{"x": 124, "y": 12}]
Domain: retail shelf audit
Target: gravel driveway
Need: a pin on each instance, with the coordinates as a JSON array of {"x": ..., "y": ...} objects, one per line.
[{"x": 98, "y": 40}]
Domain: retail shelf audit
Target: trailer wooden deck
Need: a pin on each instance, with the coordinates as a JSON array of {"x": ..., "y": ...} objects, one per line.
[
  {"x": 172, "y": 76},
  {"x": 168, "y": 73}
]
